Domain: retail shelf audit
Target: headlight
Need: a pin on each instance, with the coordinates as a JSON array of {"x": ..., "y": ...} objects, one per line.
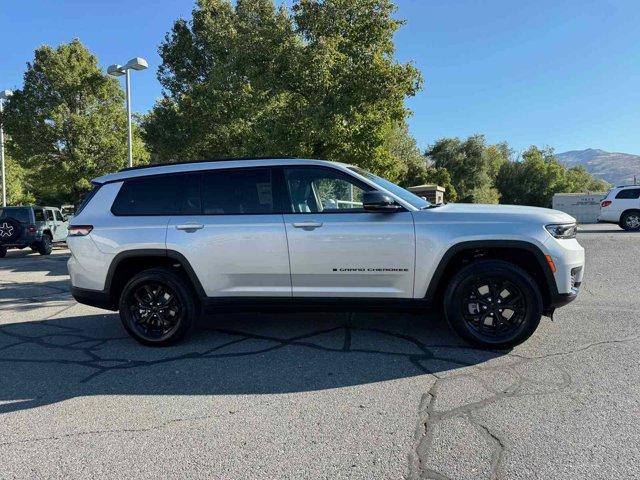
[{"x": 565, "y": 230}]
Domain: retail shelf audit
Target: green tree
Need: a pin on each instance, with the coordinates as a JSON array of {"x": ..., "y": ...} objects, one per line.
[
  {"x": 412, "y": 164},
  {"x": 535, "y": 178},
  {"x": 18, "y": 191},
  {"x": 472, "y": 165},
  {"x": 319, "y": 80},
  {"x": 67, "y": 124}
]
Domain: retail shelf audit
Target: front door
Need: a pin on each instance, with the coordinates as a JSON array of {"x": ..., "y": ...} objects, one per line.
[
  {"x": 232, "y": 233},
  {"x": 61, "y": 228},
  {"x": 337, "y": 249}
]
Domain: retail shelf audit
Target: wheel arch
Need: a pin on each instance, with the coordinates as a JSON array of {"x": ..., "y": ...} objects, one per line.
[
  {"x": 629, "y": 210},
  {"x": 524, "y": 254},
  {"x": 128, "y": 263}
]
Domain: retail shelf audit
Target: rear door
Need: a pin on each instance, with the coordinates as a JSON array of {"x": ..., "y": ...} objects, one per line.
[
  {"x": 627, "y": 199},
  {"x": 337, "y": 249},
  {"x": 233, "y": 233}
]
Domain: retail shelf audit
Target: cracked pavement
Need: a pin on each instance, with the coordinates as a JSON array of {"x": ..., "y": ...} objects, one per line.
[{"x": 320, "y": 395}]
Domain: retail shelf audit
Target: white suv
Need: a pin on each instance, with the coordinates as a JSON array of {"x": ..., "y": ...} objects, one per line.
[
  {"x": 622, "y": 206},
  {"x": 164, "y": 244}
]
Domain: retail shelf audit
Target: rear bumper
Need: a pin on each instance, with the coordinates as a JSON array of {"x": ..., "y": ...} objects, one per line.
[{"x": 93, "y": 298}]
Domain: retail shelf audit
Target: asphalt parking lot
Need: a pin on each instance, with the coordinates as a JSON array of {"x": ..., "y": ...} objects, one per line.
[{"x": 320, "y": 395}]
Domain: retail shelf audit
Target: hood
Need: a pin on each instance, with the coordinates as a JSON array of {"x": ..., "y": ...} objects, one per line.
[{"x": 513, "y": 213}]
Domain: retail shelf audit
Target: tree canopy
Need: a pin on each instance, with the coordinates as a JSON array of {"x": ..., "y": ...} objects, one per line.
[
  {"x": 538, "y": 176},
  {"x": 67, "y": 124},
  {"x": 472, "y": 165},
  {"x": 319, "y": 80}
]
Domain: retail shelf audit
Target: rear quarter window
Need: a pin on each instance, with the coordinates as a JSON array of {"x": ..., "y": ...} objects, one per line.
[
  {"x": 162, "y": 195},
  {"x": 629, "y": 194}
]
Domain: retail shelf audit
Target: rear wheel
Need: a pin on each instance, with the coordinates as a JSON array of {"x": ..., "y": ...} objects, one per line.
[
  {"x": 493, "y": 304},
  {"x": 156, "y": 307},
  {"x": 630, "y": 221},
  {"x": 46, "y": 245}
]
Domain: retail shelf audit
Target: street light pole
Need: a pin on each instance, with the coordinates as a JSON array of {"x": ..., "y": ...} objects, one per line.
[
  {"x": 3, "y": 96},
  {"x": 117, "y": 71},
  {"x": 129, "y": 134}
]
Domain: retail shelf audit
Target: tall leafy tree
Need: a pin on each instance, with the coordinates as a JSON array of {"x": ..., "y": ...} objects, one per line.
[
  {"x": 67, "y": 123},
  {"x": 318, "y": 80},
  {"x": 413, "y": 165},
  {"x": 472, "y": 165}
]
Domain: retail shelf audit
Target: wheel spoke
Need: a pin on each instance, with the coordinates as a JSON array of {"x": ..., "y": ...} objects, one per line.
[{"x": 155, "y": 310}]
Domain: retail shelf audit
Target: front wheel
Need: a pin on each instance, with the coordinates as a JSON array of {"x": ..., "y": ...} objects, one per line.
[
  {"x": 493, "y": 304},
  {"x": 156, "y": 307}
]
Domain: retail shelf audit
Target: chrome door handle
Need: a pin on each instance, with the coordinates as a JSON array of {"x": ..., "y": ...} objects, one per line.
[
  {"x": 307, "y": 225},
  {"x": 190, "y": 226}
]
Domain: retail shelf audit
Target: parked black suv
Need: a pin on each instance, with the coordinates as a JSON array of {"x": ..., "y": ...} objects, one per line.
[{"x": 35, "y": 227}]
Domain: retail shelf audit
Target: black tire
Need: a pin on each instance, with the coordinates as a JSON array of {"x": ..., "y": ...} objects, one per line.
[
  {"x": 493, "y": 304},
  {"x": 45, "y": 246},
  {"x": 630, "y": 221},
  {"x": 146, "y": 305},
  {"x": 3, "y": 251}
]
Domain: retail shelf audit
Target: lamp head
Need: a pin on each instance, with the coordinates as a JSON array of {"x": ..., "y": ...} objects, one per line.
[
  {"x": 137, "y": 63},
  {"x": 116, "y": 70}
]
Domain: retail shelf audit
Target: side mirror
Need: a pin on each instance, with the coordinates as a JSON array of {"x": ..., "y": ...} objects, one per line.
[{"x": 379, "y": 202}]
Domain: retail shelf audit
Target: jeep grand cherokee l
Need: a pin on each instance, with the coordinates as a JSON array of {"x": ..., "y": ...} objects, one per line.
[{"x": 163, "y": 244}]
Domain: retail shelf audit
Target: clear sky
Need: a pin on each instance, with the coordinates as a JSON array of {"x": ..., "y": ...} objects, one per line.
[{"x": 545, "y": 72}]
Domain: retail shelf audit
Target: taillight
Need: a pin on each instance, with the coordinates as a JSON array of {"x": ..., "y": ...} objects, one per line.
[
  {"x": 606, "y": 203},
  {"x": 80, "y": 230},
  {"x": 31, "y": 229}
]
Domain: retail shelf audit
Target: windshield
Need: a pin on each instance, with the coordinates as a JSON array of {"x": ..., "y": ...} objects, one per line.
[
  {"x": 405, "y": 195},
  {"x": 20, "y": 214}
]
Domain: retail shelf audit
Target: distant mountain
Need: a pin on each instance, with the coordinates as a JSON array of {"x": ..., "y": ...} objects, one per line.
[{"x": 615, "y": 168}]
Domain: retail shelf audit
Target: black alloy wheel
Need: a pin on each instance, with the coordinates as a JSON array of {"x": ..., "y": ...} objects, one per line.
[
  {"x": 494, "y": 307},
  {"x": 156, "y": 310},
  {"x": 156, "y": 307},
  {"x": 493, "y": 304}
]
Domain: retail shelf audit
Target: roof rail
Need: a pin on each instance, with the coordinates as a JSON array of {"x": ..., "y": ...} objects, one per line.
[
  {"x": 229, "y": 159},
  {"x": 626, "y": 186}
]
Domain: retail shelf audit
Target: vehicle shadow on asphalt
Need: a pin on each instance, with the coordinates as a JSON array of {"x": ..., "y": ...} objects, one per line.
[
  {"x": 27, "y": 261},
  {"x": 48, "y": 361}
]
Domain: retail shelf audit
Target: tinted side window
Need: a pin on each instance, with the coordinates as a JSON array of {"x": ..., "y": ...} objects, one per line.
[
  {"x": 48, "y": 215},
  {"x": 39, "y": 214},
  {"x": 161, "y": 195},
  {"x": 324, "y": 190},
  {"x": 56, "y": 215},
  {"x": 630, "y": 193},
  {"x": 238, "y": 192}
]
